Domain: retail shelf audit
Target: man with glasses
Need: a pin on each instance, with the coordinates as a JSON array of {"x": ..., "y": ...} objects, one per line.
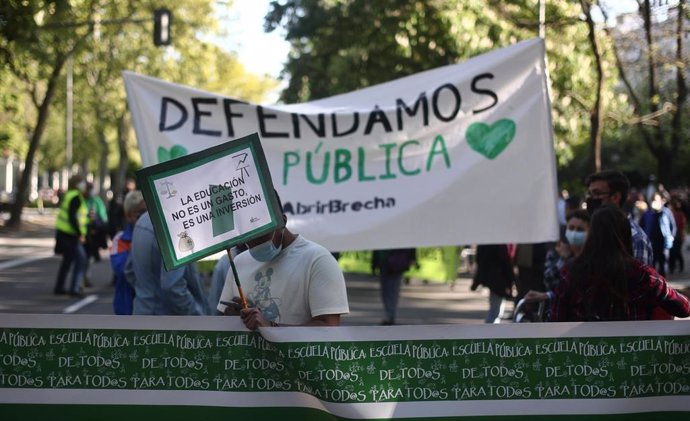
[{"x": 611, "y": 187}]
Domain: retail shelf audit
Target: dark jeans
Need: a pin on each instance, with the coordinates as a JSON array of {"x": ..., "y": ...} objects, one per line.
[
  {"x": 390, "y": 292},
  {"x": 659, "y": 260},
  {"x": 74, "y": 257},
  {"x": 676, "y": 256}
]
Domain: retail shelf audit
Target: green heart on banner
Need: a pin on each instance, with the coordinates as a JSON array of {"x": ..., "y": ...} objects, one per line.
[
  {"x": 174, "y": 152},
  {"x": 490, "y": 141}
]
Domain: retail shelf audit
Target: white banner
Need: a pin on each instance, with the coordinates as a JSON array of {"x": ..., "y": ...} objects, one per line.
[{"x": 461, "y": 154}]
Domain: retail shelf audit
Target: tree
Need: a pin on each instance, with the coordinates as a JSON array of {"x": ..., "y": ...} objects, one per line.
[
  {"x": 129, "y": 47},
  {"x": 36, "y": 57},
  {"x": 37, "y": 38},
  {"x": 14, "y": 110},
  {"x": 652, "y": 61},
  {"x": 342, "y": 46}
]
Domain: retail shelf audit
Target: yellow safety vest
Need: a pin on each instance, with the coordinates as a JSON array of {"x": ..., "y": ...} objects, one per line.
[{"x": 62, "y": 222}]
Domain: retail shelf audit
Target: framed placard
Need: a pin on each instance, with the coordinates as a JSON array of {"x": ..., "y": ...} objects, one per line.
[{"x": 211, "y": 200}]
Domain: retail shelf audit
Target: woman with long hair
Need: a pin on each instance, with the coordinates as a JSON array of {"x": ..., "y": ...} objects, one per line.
[{"x": 605, "y": 282}]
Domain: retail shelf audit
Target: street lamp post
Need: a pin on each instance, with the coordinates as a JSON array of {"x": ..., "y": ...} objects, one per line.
[
  {"x": 542, "y": 18},
  {"x": 68, "y": 116}
]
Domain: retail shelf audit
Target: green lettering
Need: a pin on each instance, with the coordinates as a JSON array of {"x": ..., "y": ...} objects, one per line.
[
  {"x": 289, "y": 162},
  {"x": 324, "y": 173},
  {"x": 361, "y": 159},
  {"x": 400, "y": 158},
  {"x": 342, "y": 164},
  {"x": 442, "y": 145},
  {"x": 388, "y": 147}
]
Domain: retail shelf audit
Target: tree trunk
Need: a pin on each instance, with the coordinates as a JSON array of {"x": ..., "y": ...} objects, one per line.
[
  {"x": 595, "y": 116},
  {"x": 665, "y": 168},
  {"x": 662, "y": 141},
  {"x": 103, "y": 167},
  {"x": 677, "y": 132},
  {"x": 122, "y": 135},
  {"x": 104, "y": 152},
  {"x": 25, "y": 178}
]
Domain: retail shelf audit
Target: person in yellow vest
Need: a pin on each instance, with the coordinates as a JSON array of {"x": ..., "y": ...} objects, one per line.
[{"x": 70, "y": 236}]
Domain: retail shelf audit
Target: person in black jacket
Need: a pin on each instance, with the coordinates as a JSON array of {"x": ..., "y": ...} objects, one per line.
[
  {"x": 494, "y": 271},
  {"x": 116, "y": 210},
  {"x": 392, "y": 264}
]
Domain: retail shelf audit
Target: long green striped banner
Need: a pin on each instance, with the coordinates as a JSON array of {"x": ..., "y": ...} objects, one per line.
[{"x": 105, "y": 367}]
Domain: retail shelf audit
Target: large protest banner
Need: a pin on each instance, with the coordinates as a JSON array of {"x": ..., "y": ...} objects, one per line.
[
  {"x": 461, "y": 154},
  {"x": 181, "y": 368}
]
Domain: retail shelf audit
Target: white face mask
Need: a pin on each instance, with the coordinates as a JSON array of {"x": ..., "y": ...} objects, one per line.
[
  {"x": 267, "y": 251},
  {"x": 575, "y": 238}
]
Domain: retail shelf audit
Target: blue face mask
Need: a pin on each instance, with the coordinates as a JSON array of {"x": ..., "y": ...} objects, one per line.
[
  {"x": 267, "y": 251},
  {"x": 575, "y": 238}
]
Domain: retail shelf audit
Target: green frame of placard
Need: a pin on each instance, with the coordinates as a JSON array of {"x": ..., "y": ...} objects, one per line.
[{"x": 147, "y": 177}]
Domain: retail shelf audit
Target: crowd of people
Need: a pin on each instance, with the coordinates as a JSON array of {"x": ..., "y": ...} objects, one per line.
[
  {"x": 610, "y": 263},
  {"x": 82, "y": 229},
  {"x": 288, "y": 279},
  {"x": 616, "y": 248}
]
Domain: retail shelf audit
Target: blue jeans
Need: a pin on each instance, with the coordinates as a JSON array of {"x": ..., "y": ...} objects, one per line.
[
  {"x": 496, "y": 308},
  {"x": 74, "y": 257},
  {"x": 79, "y": 268}
]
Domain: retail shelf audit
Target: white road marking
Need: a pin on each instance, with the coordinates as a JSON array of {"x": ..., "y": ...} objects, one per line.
[
  {"x": 21, "y": 261},
  {"x": 80, "y": 304}
]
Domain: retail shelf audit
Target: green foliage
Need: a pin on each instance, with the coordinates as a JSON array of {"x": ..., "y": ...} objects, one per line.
[
  {"x": 35, "y": 35},
  {"x": 339, "y": 46},
  {"x": 14, "y": 111}
]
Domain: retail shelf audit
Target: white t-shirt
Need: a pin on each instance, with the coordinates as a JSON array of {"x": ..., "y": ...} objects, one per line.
[{"x": 302, "y": 282}]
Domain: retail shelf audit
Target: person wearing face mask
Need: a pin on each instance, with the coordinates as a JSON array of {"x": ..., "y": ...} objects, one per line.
[
  {"x": 606, "y": 283},
  {"x": 564, "y": 252},
  {"x": 287, "y": 280},
  {"x": 611, "y": 187}
]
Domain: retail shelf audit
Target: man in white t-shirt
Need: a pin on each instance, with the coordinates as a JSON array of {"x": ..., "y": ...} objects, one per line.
[{"x": 287, "y": 281}]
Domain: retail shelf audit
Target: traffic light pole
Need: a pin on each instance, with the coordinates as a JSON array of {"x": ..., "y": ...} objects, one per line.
[
  {"x": 162, "y": 25},
  {"x": 162, "y": 20}
]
